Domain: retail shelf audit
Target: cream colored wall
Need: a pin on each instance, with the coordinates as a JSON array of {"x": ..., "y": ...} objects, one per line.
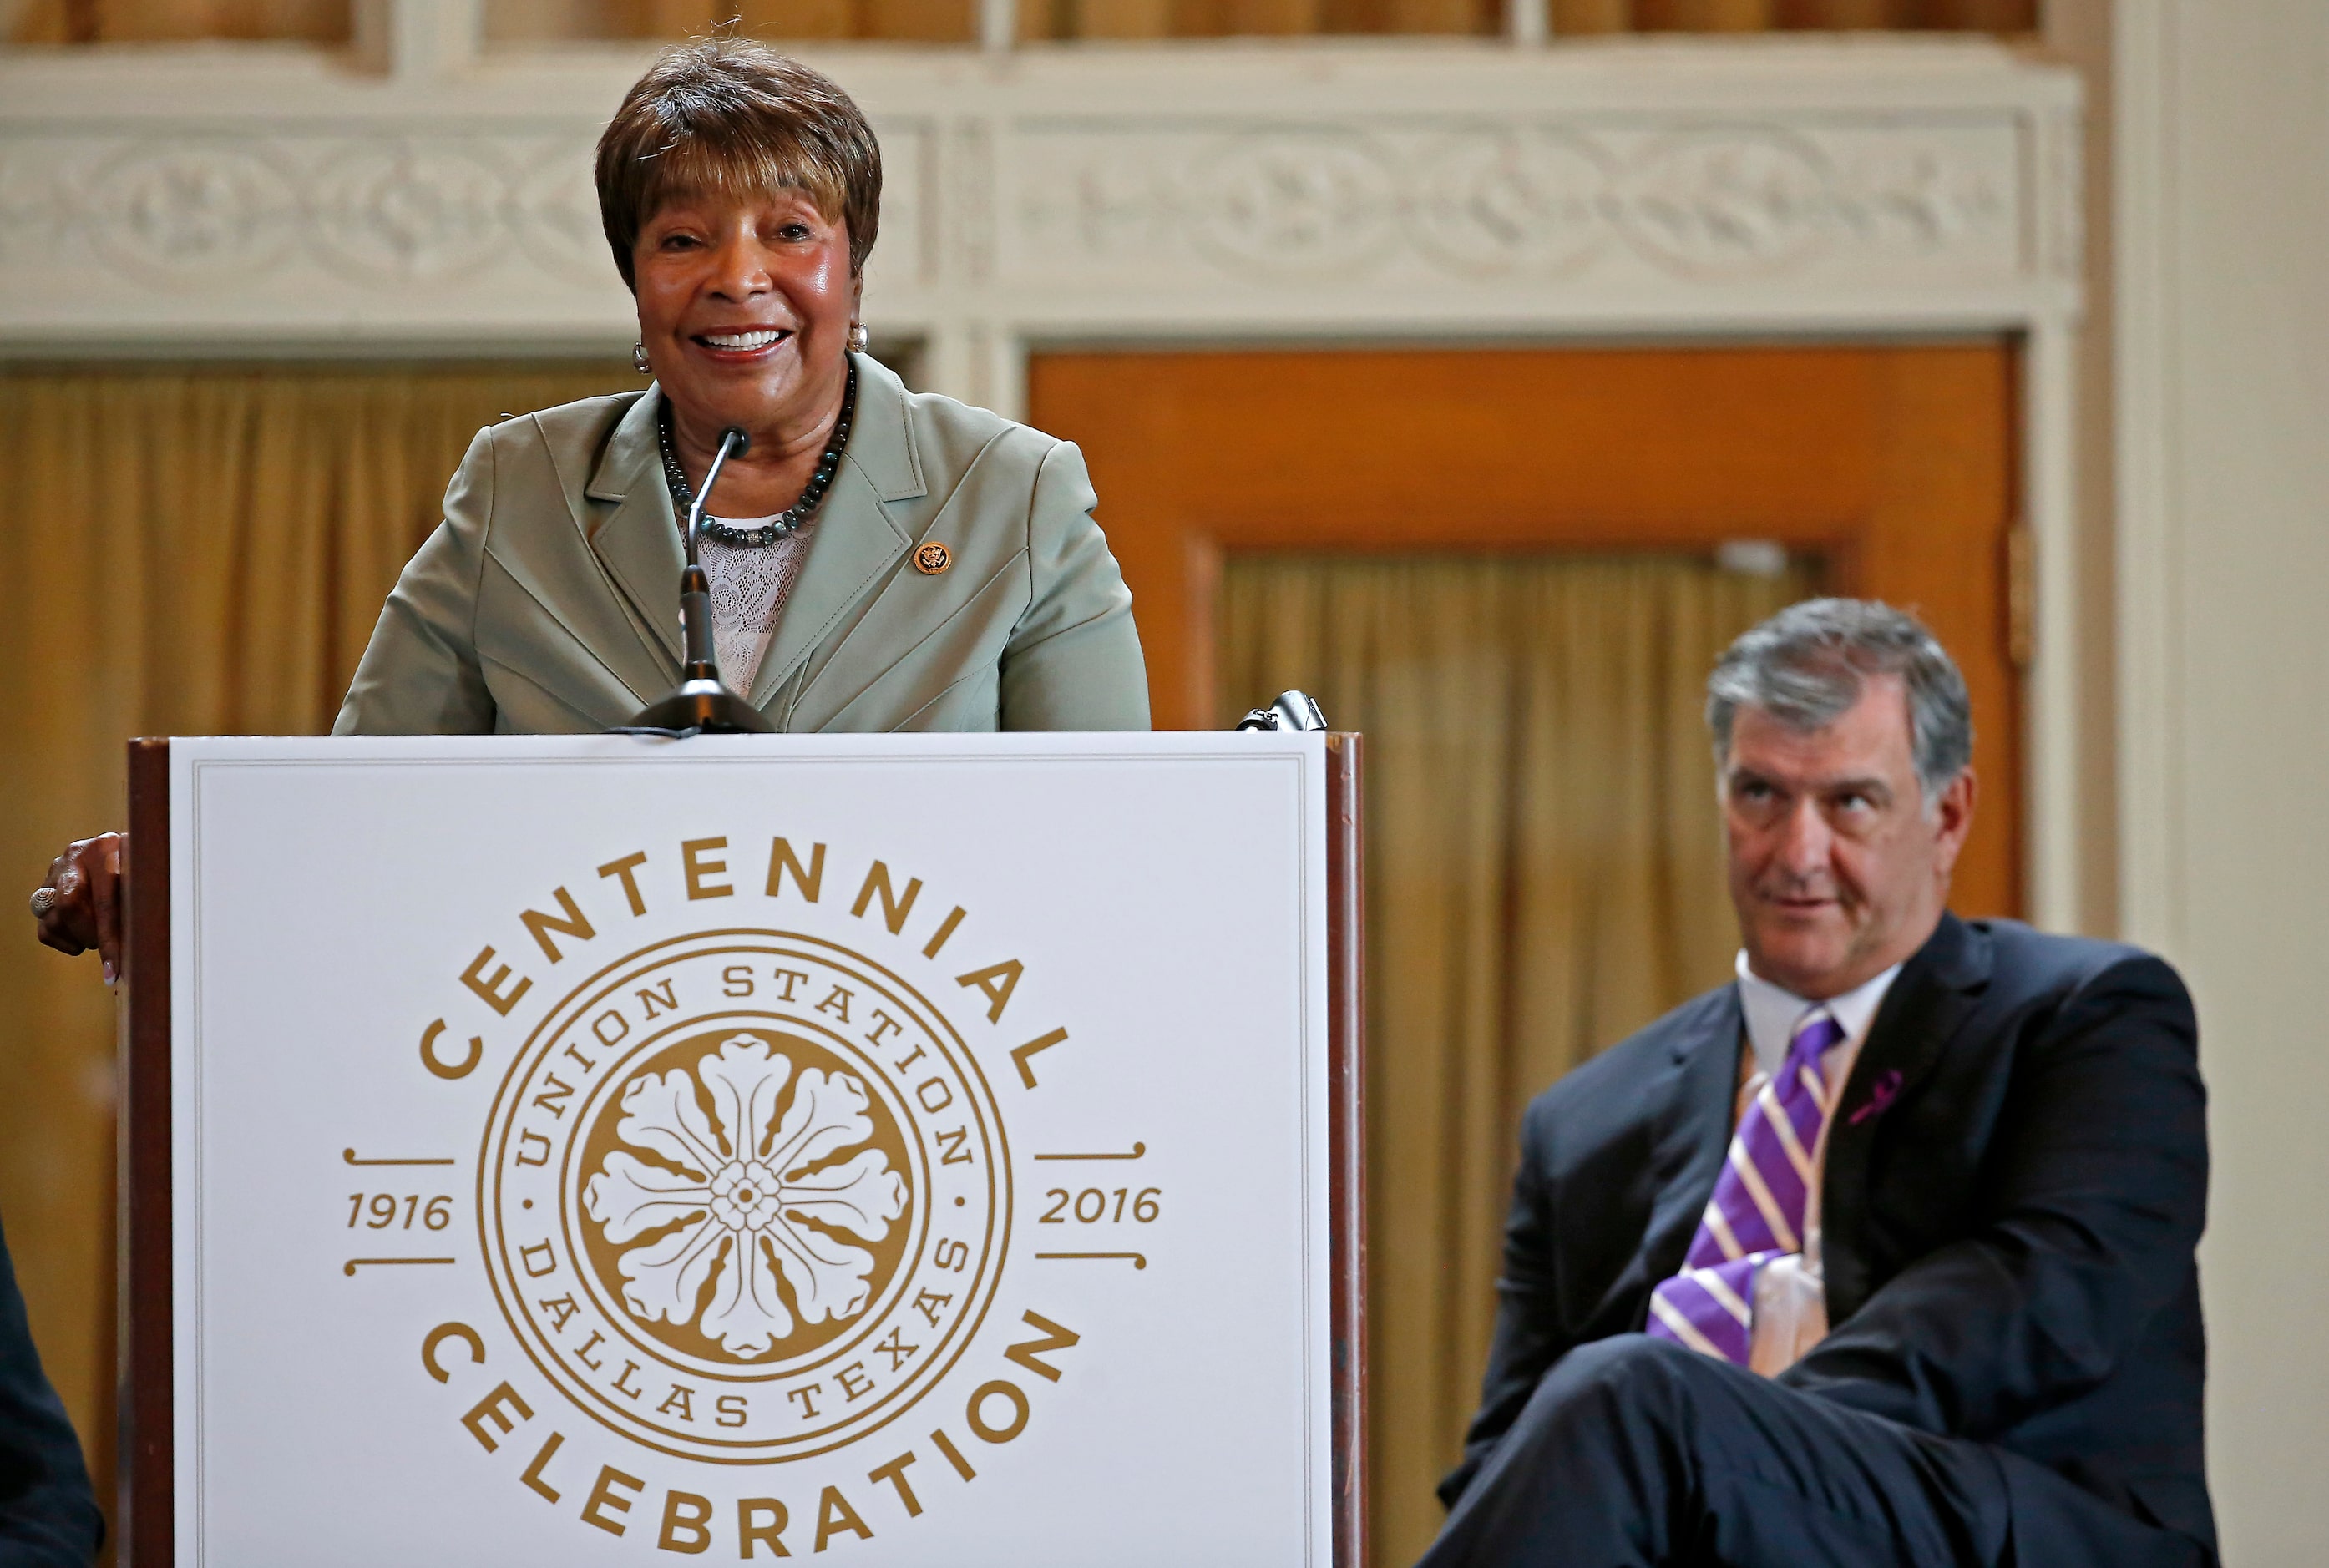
[
  {"x": 2078, "y": 33},
  {"x": 2223, "y": 339}
]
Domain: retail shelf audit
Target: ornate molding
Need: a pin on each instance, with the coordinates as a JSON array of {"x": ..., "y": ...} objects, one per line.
[
  {"x": 232, "y": 211},
  {"x": 1520, "y": 198},
  {"x": 1132, "y": 192},
  {"x": 383, "y": 227}
]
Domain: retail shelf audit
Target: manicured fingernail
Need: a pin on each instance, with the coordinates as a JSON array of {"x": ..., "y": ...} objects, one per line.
[{"x": 109, "y": 972}]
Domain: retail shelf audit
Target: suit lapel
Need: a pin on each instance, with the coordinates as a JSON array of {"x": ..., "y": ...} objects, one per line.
[
  {"x": 857, "y": 543},
  {"x": 638, "y": 541},
  {"x": 1693, "y": 1137},
  {"x": 856, "y": 546},
  {"x": 1925, "y": 1006}
]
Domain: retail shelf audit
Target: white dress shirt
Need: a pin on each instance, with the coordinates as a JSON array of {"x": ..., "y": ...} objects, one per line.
[{"x": 1774, "y": 1014}]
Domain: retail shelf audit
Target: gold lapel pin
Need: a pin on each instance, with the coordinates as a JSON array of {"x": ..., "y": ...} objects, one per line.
[{"x": 932, "y": 558}]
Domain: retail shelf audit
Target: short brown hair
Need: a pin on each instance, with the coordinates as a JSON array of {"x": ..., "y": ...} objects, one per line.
[{"x": 728, "y": 116}]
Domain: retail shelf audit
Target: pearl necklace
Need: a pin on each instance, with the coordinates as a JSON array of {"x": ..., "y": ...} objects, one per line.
[{"x": 682, "y": 495}]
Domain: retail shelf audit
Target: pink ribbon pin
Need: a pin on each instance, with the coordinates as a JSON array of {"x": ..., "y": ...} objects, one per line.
[{"x": 1886, "y": 1088}]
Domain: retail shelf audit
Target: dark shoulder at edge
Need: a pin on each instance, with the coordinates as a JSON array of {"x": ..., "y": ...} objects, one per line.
[{"x": 2025, "y": 958}]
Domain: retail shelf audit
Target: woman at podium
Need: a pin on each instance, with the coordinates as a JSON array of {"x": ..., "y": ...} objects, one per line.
[
  {"x": 875, "y": 559},
  {"x": 878, "y": 560}
]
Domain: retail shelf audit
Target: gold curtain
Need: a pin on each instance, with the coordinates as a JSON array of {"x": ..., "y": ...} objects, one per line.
[
  {"x": 322, "y": 22},
  {"x": 1262, "y": 18},
  {"x": 784, "y": 23},
  {"x": 1544, "y": 873},
  {"x": 790, "y": 22},
  {"x": 185, "y": 551},
  {"x": 1584, "y": 16}
]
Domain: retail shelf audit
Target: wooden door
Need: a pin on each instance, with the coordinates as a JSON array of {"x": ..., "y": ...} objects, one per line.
[{"x": 1894, "y": 465}]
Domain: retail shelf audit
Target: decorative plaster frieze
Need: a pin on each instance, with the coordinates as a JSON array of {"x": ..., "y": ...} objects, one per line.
[
  {"x": 427, "y": 224},
  {"x": 1099, "y": 205},
  {"x": 1130, "y": 193}
]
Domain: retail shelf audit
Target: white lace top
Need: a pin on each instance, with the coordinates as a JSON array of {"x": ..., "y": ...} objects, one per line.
[{"x": 750, "y": 586}]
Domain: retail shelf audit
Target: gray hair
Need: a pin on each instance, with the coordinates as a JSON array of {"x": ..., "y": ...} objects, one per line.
[{"x": 1807, "y": 665}]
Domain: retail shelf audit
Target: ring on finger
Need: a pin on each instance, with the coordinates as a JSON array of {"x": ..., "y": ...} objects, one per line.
[{"x": 43, "y": 900}]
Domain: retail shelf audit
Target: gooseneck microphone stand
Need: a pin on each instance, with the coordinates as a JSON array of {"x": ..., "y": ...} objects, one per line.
[{"x": 703, "y": 703}]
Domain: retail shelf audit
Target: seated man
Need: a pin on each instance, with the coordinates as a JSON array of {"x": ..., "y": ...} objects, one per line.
[{"x": 1883, "y": 1254}]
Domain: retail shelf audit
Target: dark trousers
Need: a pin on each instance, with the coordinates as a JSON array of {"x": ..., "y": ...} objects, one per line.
[{"x": 1636, "y": 1451}]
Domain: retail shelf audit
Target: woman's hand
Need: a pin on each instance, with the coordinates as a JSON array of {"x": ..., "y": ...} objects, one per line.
[{"x": 85, "y": 908}]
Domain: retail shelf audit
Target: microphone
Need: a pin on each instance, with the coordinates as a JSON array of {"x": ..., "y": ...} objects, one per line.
[{"x": 701, "y": 703}]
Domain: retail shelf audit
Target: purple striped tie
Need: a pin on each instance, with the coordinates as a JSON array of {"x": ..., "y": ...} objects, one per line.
[{"x": 1757, "y": 1211}]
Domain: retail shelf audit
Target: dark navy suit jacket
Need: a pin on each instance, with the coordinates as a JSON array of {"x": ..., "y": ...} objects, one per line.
[
  {"x": 2014, "y": 1188},
  {"x": 48, "y": 1515}
]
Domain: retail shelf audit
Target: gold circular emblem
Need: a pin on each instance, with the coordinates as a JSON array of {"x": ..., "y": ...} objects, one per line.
[
  {"x": 745, "y": 1196},
  {"x": 932, "y": 558}
]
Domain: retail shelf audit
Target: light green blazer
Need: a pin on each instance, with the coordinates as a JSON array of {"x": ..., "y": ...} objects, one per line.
[{"x": 548, "y": 601}]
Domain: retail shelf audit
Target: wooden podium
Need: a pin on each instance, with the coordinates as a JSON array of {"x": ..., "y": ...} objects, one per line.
[{"x": 933, "y": 1150}]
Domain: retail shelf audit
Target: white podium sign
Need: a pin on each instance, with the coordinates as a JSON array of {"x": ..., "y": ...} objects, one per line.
[{"x": 605, "y": 1151}]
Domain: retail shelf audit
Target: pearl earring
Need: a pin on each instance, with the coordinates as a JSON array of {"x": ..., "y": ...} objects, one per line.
[
  {"x": 858, "y": 337},
  {"x": 639, "y": 358}
]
